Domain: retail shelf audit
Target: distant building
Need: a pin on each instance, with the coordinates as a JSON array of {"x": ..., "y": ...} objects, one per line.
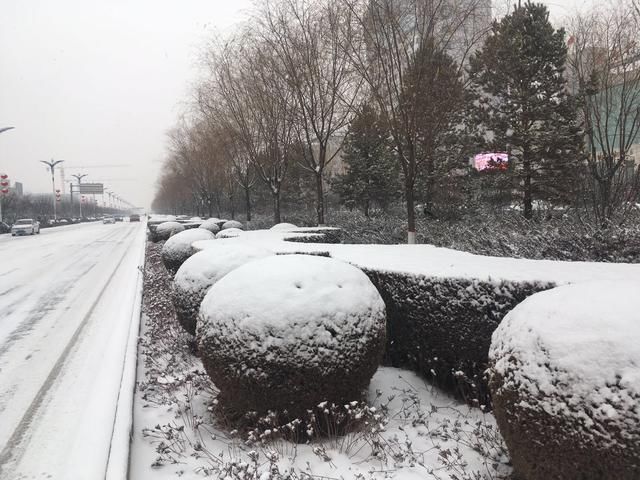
[{"x": 17, "y": 189}]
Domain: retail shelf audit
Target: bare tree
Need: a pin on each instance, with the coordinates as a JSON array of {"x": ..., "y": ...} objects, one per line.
[
  {"x": 389, "y": 53},
  {"x": 195, "y": 151},
  {"x": 605, "y": 69},
  {"x": 308, "y": 38},
  {"x": 256, "y": 106}
]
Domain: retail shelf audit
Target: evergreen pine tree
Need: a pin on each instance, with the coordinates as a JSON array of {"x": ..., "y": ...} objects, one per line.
[
  {"x": 372, "y": 175},
  {"x": 525, "y": 106}
]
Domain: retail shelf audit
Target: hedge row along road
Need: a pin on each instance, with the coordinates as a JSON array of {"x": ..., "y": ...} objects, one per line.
[{"x": 67, "y": 309}]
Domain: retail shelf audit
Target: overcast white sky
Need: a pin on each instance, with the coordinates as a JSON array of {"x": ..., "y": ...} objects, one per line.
[{"x": 97, "y": 82}]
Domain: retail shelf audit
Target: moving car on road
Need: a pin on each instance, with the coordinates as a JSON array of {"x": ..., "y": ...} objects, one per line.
[
  {"x": 25, "y": 226},
  {"x": 134, "y": 217},
  {"x": 108, "y": 219}
]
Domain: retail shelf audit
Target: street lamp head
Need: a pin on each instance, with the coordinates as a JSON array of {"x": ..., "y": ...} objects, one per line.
[
  {"x": 52, "y": 163},
  {"x": 4, "y": 129}
]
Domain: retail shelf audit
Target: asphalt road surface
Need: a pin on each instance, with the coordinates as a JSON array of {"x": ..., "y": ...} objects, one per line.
[{"x": 66, "y": 309}]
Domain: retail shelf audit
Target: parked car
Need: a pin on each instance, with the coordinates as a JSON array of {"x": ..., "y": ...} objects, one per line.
[
  {"x": 4, "y": 228},
  {"x": 25, "y": 226},
  {"x": 119, "y": 218},
  {"x": 134, "y": 217},
  {"x": 108, "y": 219}
]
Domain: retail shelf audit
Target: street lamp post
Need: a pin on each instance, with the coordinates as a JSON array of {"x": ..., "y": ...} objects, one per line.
[
  {"x": 79, "y": 177},
  {"x": 4, "y": 179},
  {"x": 52, "y": 165}
]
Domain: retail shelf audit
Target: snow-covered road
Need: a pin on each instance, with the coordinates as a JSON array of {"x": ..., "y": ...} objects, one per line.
[{"x": 67, "y": 302}]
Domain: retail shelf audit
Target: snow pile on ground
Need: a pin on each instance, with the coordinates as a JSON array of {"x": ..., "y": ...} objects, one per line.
[
  {"x": 200, "y": 271},
  {"x": 178, "y": 248},
  {"x": 229, "y": 233},
  {"x": 211, "y": 224},
  {"x": 166, "y": 229},
  {"x": 565, "y": 365},
  {"x": 232, "y": 224},
  {"x": 311, "y": 329}
]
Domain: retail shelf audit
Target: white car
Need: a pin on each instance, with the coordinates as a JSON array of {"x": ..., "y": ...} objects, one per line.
[
  {"x": 25, "y": 226},
  {"x": 108, "y": 219}
]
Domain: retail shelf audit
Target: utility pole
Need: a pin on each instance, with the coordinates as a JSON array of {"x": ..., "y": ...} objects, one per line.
[
  {"x": 78, "y": 177},
  {"x": 52, "y": 165}
]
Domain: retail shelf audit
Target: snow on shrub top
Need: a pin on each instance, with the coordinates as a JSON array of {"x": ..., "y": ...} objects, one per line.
[
  {"x": 298, "y": 300},
  {"x": 168, "y": 227},
  {"x": 232, "y": 224},
  {"x": 577, "y": 343},
  {"x": 283, "y": 226},
  {"x": 180, "y": 243},
  {"x": 211, "y": 225},
  {"x": 206, "y": 267},
  {"x": 229, "y": 233}
]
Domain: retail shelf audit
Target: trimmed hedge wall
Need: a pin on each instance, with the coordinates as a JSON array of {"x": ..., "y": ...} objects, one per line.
[
  {"x": 316, "y": 235},
  {"x": 442, "y": 327}
]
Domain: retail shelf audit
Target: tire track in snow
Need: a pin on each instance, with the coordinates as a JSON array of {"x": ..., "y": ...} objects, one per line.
[{"x": 79, "y": 255}]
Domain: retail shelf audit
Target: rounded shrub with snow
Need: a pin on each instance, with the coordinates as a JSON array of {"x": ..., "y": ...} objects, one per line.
[
  {"x": 565, "y": 379},
  {"x": 232, "y": 224},
  {"x": 178, "y": 248},
  {"x": 290, "y": 331},
  {"x": 166, "y": 229},
  {"x": 229, "y": 233},
  {"x": 211, "y": 225},
  {"x": 283, "y": 226},
  {"x": 200, "y": 271}
]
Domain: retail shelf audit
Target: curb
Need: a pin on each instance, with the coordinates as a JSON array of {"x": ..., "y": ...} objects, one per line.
[{"x": 120, "y": 447}]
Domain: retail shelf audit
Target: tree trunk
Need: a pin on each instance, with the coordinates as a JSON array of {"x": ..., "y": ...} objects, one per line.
[
  {"x": 605, "y": 201},
  {"x": 411, "y": 214},
  {"x": 247, "y": 199},
  {"x": 320, "y": 198},
  {"x": 276, "y": 207},
  {"x": 527, "y": 195}
]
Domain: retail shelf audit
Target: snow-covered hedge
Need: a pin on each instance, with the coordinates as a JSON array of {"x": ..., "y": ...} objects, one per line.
[
  {"x": 442, "y": 327},
  {"x": 314, "y": 235},
  {"x": 565, "y": 378},
  {"x": 164, "y": 230},
  {"x": 229, "y": 233},
  {"x": 232, "y": 224},
  {"x": 203, "y": 269},
  {"x": 178, "y": 248},
  {"x": 290, "y": 331},
  {"x": 443, "y": 305},
  {"x": 211, "y": 225}
]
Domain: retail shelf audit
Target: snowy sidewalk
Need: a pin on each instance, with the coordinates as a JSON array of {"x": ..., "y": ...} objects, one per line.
[{"x": 69, "y": 301}]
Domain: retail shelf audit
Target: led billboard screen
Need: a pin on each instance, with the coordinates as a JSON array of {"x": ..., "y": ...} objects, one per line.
[{"x": 491, "y": 161}]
